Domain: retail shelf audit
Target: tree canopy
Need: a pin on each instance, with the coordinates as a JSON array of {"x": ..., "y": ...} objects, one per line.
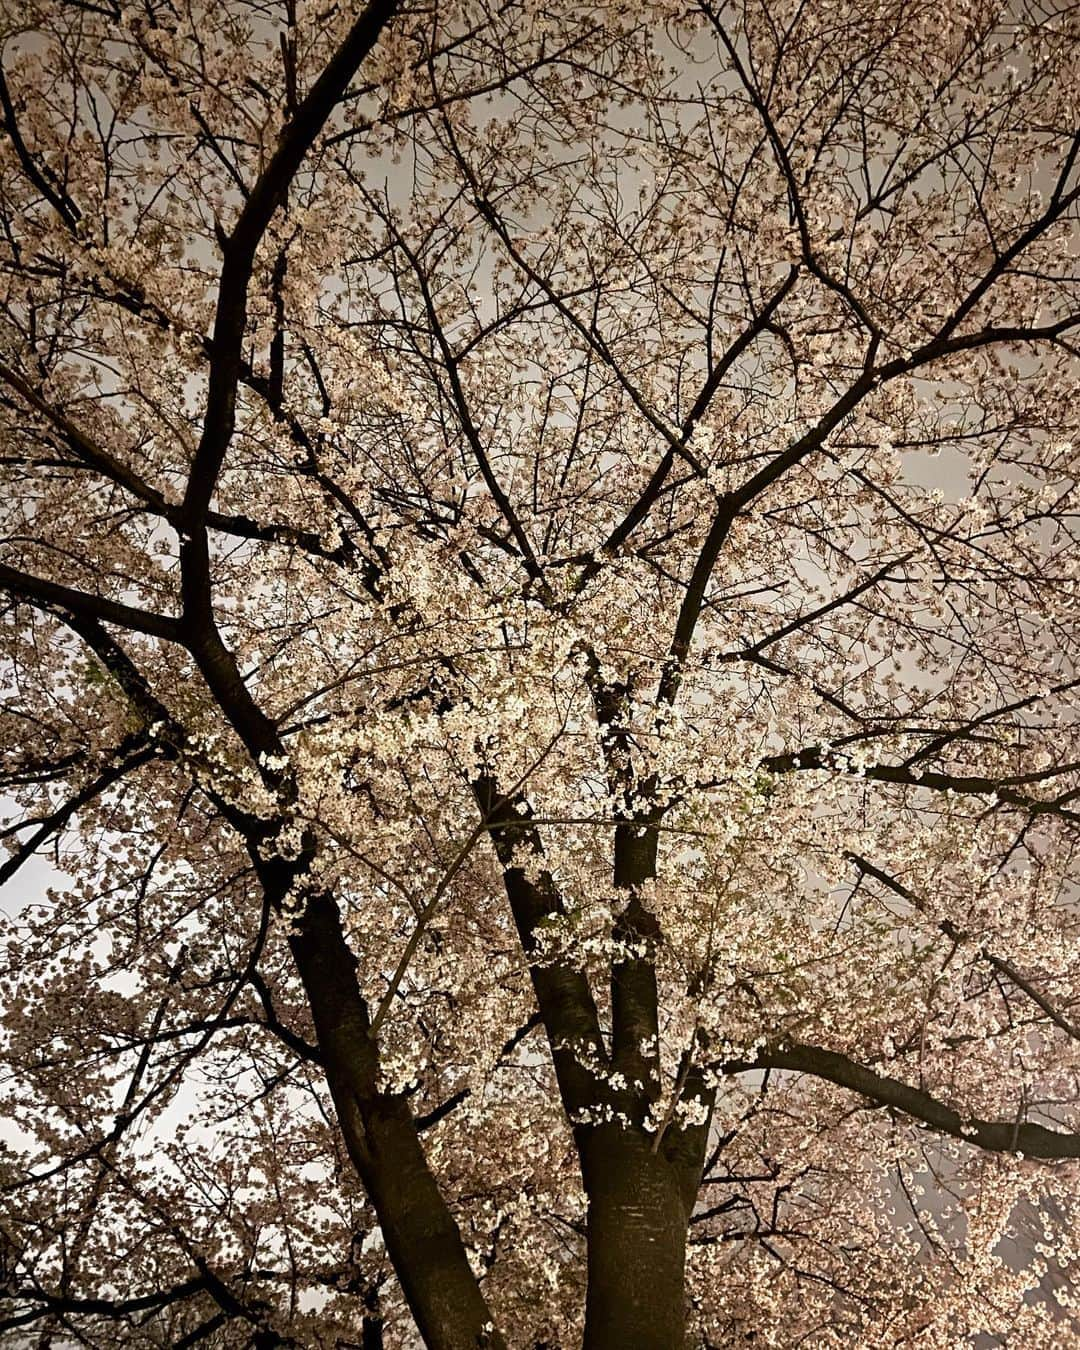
[{"x": 539, "y": 574}]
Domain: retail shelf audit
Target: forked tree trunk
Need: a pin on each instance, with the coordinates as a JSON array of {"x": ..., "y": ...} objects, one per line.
[{"x": 637, "y": 1226}]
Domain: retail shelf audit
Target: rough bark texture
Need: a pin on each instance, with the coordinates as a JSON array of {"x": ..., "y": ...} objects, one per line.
[{"x": 636, "y": 1244}]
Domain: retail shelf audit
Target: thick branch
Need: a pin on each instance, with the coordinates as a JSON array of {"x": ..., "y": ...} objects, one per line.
[
  {"x": 50, "y": 595},
  {"x": 562, "y": 990},
  {"x": 239, "y": 251},
  {"x": 1002, "y": 1136},
  {"x": 815, "y": 757}
]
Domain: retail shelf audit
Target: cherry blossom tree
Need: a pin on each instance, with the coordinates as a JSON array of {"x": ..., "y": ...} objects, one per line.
[{"x": 540, "y": 569}]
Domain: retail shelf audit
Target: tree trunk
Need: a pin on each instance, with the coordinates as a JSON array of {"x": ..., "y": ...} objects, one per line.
[
  {"x": 421, "y": 1236},
  {"x": 637, "y": 1227}
]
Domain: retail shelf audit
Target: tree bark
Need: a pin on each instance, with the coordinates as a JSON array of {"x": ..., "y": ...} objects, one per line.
[
  {"x": 563, "y": 996},
  {"x": 637, "y": 1226},
  {"x": 421, "y": 1236},
  {"x": 641, "y": 1188}
]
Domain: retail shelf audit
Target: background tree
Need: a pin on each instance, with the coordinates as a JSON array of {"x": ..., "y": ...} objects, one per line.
[{"x": 523, "y": 524}]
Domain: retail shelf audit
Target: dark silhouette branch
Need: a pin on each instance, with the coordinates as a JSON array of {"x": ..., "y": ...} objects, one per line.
[
  {"x": 239, "y": 249},
  {"x": 1002, "y": 1136},
  {"x": 50, "y": 595}
]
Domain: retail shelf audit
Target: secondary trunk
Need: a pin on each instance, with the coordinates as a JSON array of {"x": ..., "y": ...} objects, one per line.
[
  {"x": 637, "y": 1229},
  {"x": 421, "y": 1236}
]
